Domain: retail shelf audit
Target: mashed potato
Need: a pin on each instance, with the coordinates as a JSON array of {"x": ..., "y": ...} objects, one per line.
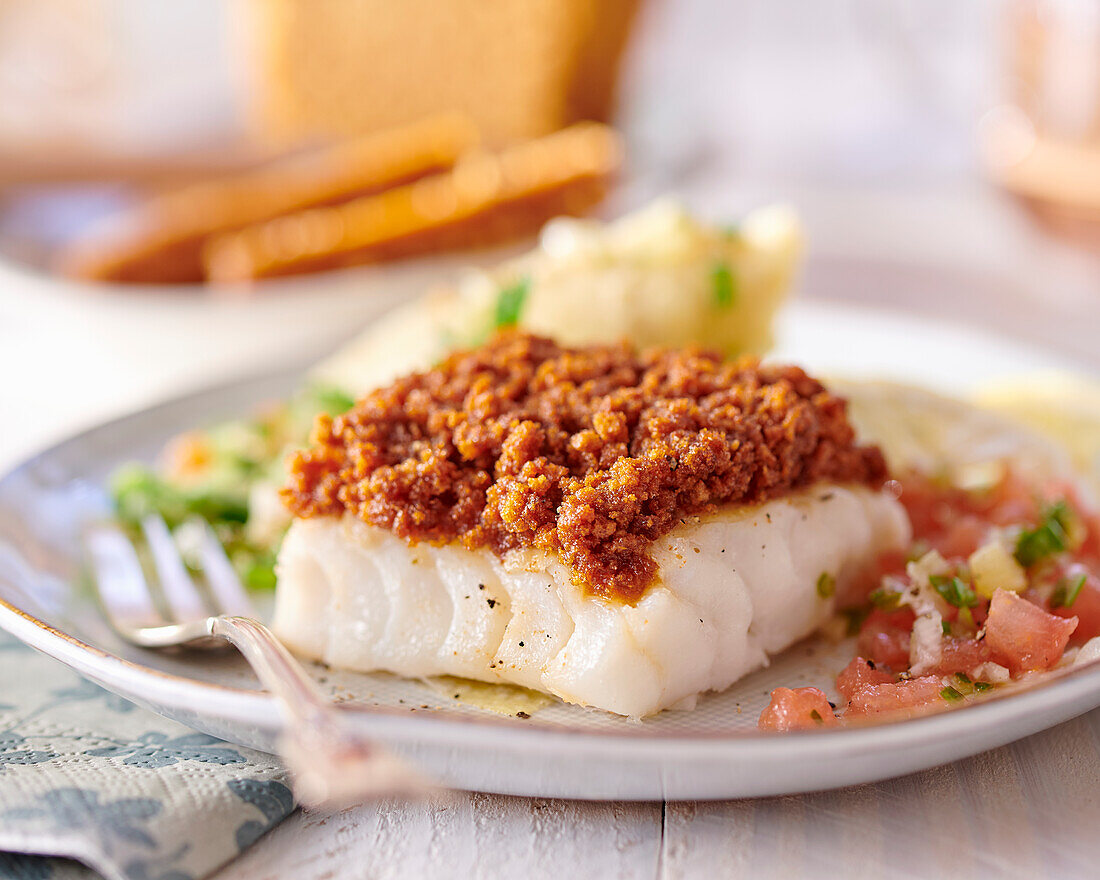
[{"x": 656, "y": 277}]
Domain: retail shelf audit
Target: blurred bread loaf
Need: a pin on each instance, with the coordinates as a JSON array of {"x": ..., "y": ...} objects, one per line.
[{"x": 518, "y": 68}]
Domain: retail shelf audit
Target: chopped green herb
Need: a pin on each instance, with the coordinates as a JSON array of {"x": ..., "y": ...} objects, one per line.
[
  {"x": 946, "y": 627},
  {"x": 1066, "y": 593},
  {"x": 259, "y": 574},
  {"x": 1051, "y": 536},
  {"x": 964, "y": 684},
  {"x": 884, "y": 599},
  {"x": 510, "y": 302},
  {"x": 855, "y": 618},
  {"x": 826, "y": 585},
  {"x": 723, "y": 284},
  {"x": 244, "y": 466},
  {"x": 980, "y": 686},
  {"x": 951, "y": 695},
  {"x": 816, "y": 716},
  {"x": 955, "y": 591},
  {"x": 332, "y": 401}
]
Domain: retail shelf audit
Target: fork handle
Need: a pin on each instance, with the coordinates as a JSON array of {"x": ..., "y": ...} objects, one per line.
[{"x": 330, "y": 766}]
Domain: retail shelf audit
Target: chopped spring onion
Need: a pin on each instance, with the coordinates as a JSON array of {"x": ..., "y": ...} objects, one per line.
[
  {"x": 965, "y": 685},
  {"x": 723, "y": 284},
  {"x": 1067, "y": 591},
  {"x": 826, "y": 585},
  {"x": 816, "y": 716},
  {"x": 855, "y": 618},
  {"x": 884, "y": 599},
  {"x": 510, "y": 302},
  {"x": 955, "y": 591},
  {"x": 333, "y": 401},
  {"x": 1051, "y": 536},
  {"x": 951, "y": 695}
]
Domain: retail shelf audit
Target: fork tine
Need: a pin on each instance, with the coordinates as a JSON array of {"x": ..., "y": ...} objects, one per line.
[
  {"x": 183, "y": 598},
  {"x": 119, "y": 579},
  {"x": 221, "y": 577}
]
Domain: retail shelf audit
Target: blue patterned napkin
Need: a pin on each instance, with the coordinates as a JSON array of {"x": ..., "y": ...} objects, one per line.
[{"x": 89, "y": 776}]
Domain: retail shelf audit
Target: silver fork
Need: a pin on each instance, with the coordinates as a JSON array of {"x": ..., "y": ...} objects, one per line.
[{"x": 329, "y": 766}]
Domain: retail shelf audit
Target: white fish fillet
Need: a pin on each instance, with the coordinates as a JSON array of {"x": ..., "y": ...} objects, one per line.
[{"x": 734, "y": 587}]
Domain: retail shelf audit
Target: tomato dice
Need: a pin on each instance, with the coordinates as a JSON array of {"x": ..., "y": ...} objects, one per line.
[
  {"x": 955, "y": 521},
  {"x": 797, "y": 709},
  {"x": 912, "y": 694},
  {"x": 858, "y": 674},
  {"x": 884, "y": 637},
  {"x": 963, "y": 537},
  {"x": 962, "y": 655},
  {"x": 1085, "y": 607},
  {"x": 1024, "y": 637}
]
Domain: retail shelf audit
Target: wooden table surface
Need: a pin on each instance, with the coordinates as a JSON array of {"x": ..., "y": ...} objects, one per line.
[{"x": 1028, "y": 810}]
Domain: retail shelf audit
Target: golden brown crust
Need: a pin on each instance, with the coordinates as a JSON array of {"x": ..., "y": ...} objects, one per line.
[
  {"x": 485, "y": 199},
  {"x": 161, "y": 240},
  {"x": 591, "y": 453}
]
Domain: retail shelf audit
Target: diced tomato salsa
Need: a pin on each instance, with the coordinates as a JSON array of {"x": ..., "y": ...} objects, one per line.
[
  {"x": 1086, "y": 606},
  {"x": 961, "y": 655},
  {"x": 860, "y": 674},
  {"x": 1023, "y": 636},
  {"x": 1045, "y": 597},
  {"x": 913, "y": 693},
  {"x": 798, "y": 709},
  {"x": 884, "y": 637}
]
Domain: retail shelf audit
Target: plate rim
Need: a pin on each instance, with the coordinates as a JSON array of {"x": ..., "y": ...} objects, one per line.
[
  {"x": 1045, "y": 695},
  {"x": 1074, "y": 691}
]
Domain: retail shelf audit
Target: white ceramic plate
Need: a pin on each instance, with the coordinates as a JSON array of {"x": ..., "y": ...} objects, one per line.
[{"x": 562, "y": 751}]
